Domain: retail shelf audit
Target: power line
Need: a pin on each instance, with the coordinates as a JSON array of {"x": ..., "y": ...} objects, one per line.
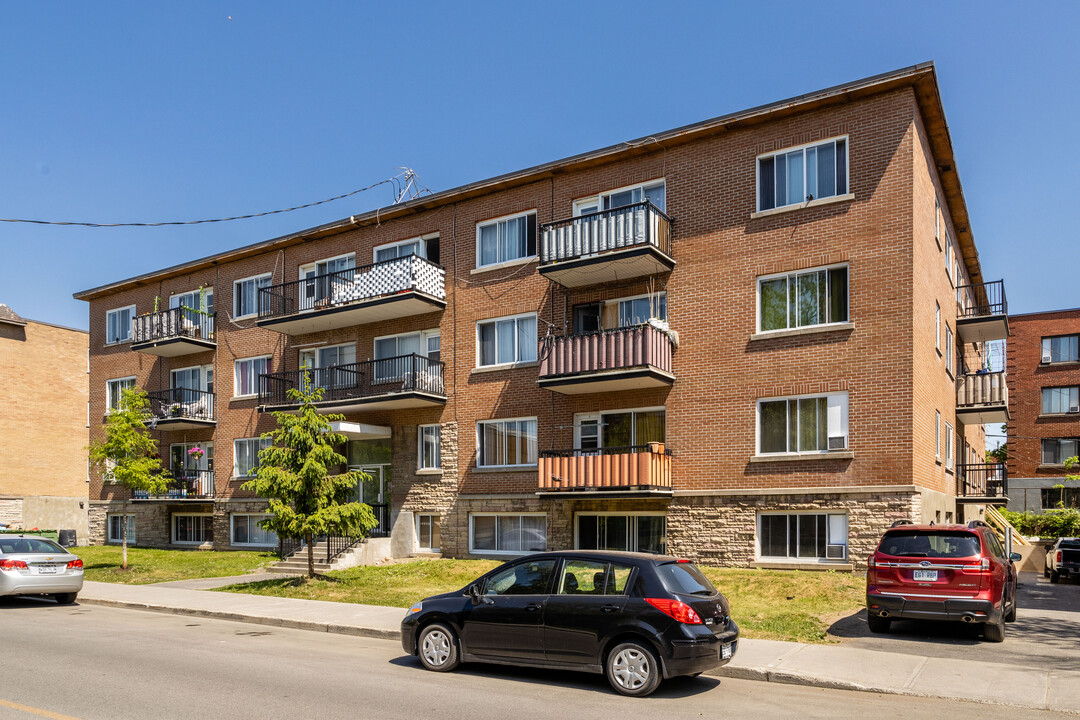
[{"x": 404, "y": 183}]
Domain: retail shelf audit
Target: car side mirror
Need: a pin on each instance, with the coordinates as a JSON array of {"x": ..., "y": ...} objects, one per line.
[
  {"x": 473, "y": 591},
  {"x": 1015, "y": 557}
]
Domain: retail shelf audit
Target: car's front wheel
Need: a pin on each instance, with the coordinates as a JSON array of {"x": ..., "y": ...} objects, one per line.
[
  {"x": 632, "y": 669},
  {"x": 65, "y": 598},
  {"x": 438, "y": 648}
]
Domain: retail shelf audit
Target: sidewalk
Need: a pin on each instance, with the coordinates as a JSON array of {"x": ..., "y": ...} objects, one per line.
[{"x": 827, "y": 666}]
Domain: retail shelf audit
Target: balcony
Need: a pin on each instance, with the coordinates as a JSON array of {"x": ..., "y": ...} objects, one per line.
[
  {"x": 984, "y": 483},
  {"x": 397, "y": 288},
  {"x": 186, "y": 484},
  {"x": 406, "y": 381},
  {"x": 982, "y": 398},
  {"x": 606, "y": 246},
  {"x": 639, "y": 469},
  {"x": 173, "y": 332},
  {"x": 181, "y": 409},
  {"x": 623, "y": 359},
  {"x": 982, "y": 312}
]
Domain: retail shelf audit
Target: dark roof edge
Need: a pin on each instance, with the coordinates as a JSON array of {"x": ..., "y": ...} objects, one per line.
[
  {"x": 913, "y": 75},
  {"x": 1043, "y": 312}
]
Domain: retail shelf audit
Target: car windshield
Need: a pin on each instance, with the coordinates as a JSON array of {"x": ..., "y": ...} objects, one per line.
[
  {"x": 32, "y": 546},
  {"x": 920, "y": 543},
  {"x": 684, "y": 578}
]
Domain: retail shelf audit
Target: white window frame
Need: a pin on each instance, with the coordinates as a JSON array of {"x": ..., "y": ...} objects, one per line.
[
  {"x": 236, "y": 374},
  {"x": 795, "y": 273},
  {"x": 237, "y": 293},
  {"x": 315, "y": 264},
  {"x": 937, "y": 326},
  {"x": 517, "y": 351},
  {"x": 598, "y": 199},
  {"x": 804, "y": 147},
  {"x": 937, "y": 435},
  {"x": 314, "y": 353},
  {"x": 108, "y": 390},
  {"x": 948, "y": 349},
  {"x": 263, "y": 444},
  {"x": 434, "y": 518},
  {"x": 937, "y": 220},
  {"x": 1046, "y": 347},
  {"x": 837, "y": 412},
  {"x": 950, "y": 254},
  {"x": 109, "y": 527},
  {"x": 421, "y": 239},
  {"x": 788, "y": 558},
  {"x": 425, "y": 335},
  {"x": 172, "y": 527},
  {"x": 479, "y": 442},
  {"x": 420, "y": 465},
  {"x": 505, "y": 218},
  {"x": 232, "y": 530},
  {"x": 653, "y": 304},
  {"x": 130, "y": 325},
  {"x": 472, "y": 547},
  {"x": 581, "y": 417},
  {"x": 1069, "y": 408},
  {"x": 616, "y": 513},
  {"x": 950, "y": 443}
]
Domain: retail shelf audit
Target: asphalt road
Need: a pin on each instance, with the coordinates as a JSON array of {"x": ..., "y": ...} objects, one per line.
[
  {"x": 84, "y": 662},
  {"x": 1044, "y": 635}
]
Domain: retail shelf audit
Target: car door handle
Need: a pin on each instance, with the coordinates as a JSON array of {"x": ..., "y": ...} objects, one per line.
[
  {"x": 609, "y": 608},
  {"x": 533, "y": 606}
]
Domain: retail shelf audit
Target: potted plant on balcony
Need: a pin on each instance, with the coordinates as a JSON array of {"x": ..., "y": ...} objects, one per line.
[
  {"x": 196, "y": 453},
  {"x": 175, "y": 410}
]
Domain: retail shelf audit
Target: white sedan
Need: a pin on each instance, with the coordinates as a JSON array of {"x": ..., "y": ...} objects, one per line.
[{"x": 31, "y": 565}]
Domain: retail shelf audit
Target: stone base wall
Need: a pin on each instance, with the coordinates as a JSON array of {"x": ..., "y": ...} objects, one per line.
[
  {"x": 11, "y": 511},
  {"x": 414, "y": 492},
  {"x": 153, "y": 522}
]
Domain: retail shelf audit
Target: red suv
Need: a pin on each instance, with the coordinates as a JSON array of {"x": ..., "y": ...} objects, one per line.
[{"x": 958, "y": 573}]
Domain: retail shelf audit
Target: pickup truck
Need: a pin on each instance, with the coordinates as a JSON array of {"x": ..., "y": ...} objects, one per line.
[{"x": 1062, "y": 558}]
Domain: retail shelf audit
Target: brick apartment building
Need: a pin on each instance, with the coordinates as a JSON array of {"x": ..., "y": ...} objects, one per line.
[
  {"x": 753, "y": 340},
  {"x": 1044, "y": 408},
  {"x": 43, "y": 422}
]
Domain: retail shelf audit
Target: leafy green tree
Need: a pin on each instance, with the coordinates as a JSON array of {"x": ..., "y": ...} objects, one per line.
[
  {"x": 127, "y": 453},
  {"x": 294, "y": 474}
]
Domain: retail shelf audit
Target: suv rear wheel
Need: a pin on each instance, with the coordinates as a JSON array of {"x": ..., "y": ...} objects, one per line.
[
  {"x": 995, "y": 632},
  {"x": 878, "y": 624},
  {"x": 1010, "y": 614}
]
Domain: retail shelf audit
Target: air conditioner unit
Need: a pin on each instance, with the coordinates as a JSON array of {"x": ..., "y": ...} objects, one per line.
[
  {"x": 1047, "y": 357},
  {"x": 835, "y": 552},
  {"x": 1074, "y": 408},
  {"x": 838, "y": 442}
]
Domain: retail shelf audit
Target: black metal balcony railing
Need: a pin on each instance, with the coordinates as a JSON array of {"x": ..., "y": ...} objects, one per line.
[
  {"x": 641, "y": 224},
  {"x": 345, "y": 287},
  {"x": 186, "y": 483},
  {"x": 372, "y": 378},
  {"x": 981, "y": 300},
  {"x": 983, "y": 480},
  {"x": 338, "y": 544},
  {"x": 177, "y": 322},
  {"x": 181, "y": 404}
]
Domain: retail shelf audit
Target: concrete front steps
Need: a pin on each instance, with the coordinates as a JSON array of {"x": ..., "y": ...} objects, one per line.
[{"x": 371, "y": 551}]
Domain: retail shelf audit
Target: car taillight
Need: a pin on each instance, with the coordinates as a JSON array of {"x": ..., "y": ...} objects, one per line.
[
  {"x": 981, "y": 568},
  {"x": 13, "y": 565},
  {"x": 76, "y": 563},
  {"x": 1059, "y": 556},
  {"x": 676, "y": 609},
  {"x": 871, "y": 563}
]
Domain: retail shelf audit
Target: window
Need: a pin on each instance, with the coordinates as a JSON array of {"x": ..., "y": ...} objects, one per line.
[
  {"x": 806, "y": 424},
  {"x": 116, "y": 529},
  {"x": 193, "y": 529},
  {"x": 507, "y": 533},
  {"x": 114, "y": 390},
  {"x": 417, "y": 343},
  {"x": 638, "y": 310},
  {"x": 1060, "y": 400},
  {"x": 949, "y": 445},
  {"x": 619, "y": 313},
  {"x": 1065, "y": 348},
  {"x": 506, "y": 239},
  {"x": 937, "y": 221},
  {"x": 655, "y": 192},
  {"x": 793, "y": 177},
  {"x": 428, "y": 535},
  {"x": 950, "y": 255},
  {"x": 429, "y": 454},
  {"x": 619, "y": 428},
  {"x": 937, "y": 434},
  {"x": 948, "y": 347},
  {"x": 192, "y": 468},
  {"x": 247, "y": 301},
  {"x": 246, "y": 531},
  {"x": 1063, "y": 497},
  {"x": 118, "y": 325},
  {"x": 804, "y": 299},
  {"x": 589, "y": 577},
  {"x": 633, "y": 532},
  {"x": 506, "y": 443},
  {"x": 803, "y": 536},
  {"x": 425, "y": 247},
  {"x": 507, "y": 340},
  {"x": 246, "y": 374},
  {"x": 937, "y": 326},
  {"x": 246, "y": 451},
  {"x": 1055, "y": 451},
  {"x": 425, "y": 344}
]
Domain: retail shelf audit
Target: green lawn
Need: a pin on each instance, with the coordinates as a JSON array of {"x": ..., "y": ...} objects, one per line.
[
  {"x": 768, "y": 604},
  {"x": 147, "y": 565}
]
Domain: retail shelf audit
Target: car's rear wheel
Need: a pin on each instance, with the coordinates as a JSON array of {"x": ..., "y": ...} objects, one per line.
[
  {"x": 1054, "y": 576},
  {"x": 1010, "y": 614},
  {"x": 632, "y": 669},
  {"x": 65, "y": 598},
  {"x": 878, "y": 624},
  {"x": 438, "y": 648},
  {"x": 995, "y": 632},
  {"x": 1046, "y": 571}
]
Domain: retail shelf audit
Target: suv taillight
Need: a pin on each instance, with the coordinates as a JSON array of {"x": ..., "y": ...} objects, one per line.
[
  {"x": 676, "y": 609},
  {"x": 981, "y": 568},
  {"x": 13, "y": 565},
  {"x": 76, "y": 563},
  {"x": 1059, "y": 557},
  {"x": 871, "y": 563}
]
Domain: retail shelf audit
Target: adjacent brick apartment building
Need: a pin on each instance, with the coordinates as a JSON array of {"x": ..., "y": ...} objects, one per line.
[
  {"x": 44, "y": 426},
  {"x": 752, "y": 340},
  {"x": 1044, "y": 408}
]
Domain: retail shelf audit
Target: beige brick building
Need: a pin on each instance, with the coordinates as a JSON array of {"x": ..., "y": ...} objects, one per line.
[
  {"x": 44, "y": 376},
  {"x": 751, "y": 340}
]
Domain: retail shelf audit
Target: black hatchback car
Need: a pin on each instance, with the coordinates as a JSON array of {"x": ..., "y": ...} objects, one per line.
[{"x": 634, "y": 617}]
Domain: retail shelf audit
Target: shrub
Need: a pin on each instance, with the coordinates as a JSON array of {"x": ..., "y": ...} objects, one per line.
[{"x": 1050, "y": 524}]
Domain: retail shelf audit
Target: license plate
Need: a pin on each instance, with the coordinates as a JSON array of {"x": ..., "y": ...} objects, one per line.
[
  {"x": 725, "y": 651},
  {"x": 926, "y": 575},
  {"x": 46, "y": 570}
]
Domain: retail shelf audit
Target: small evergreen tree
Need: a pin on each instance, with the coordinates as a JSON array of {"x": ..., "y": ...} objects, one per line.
[
  {"x": 294, "y": 474},
  {"x": 127, "y": 453}
]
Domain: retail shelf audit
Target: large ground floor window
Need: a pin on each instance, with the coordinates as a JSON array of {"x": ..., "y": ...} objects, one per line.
[
  {"x": 636, "y": 532},
  {"x": 193, "y": 529},
  {"x": 116, "y": 528},
  {"x": 507, "y": 533},
  {"x": 802, "y": 536},
  {"x": 246, "y": 530}
]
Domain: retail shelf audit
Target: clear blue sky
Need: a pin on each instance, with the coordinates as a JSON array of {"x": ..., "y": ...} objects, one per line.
[{"x": 145, "y": 111}]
